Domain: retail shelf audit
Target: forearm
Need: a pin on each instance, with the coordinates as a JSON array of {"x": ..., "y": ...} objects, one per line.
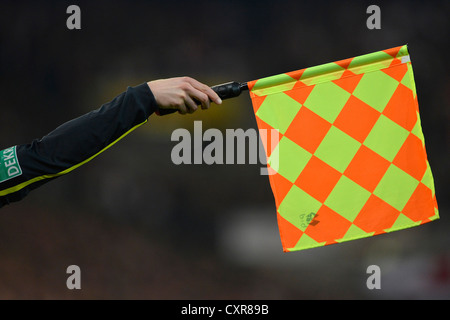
[{"x": 73, "y": 143}]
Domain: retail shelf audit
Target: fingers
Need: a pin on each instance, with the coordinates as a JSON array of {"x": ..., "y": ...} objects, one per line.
[
  {"x": 198, "y": 97},
  {"x": 184, "y": 94},
  {"x": 189, "y": 106},
  {"x": 211, "y": 95},
  {"x": 197, "y": 93}
]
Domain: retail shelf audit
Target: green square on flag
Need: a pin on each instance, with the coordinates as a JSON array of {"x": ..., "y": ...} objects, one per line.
[
  {"x": 287, "y": 109},
  {"x": 396, "y": 187},
  {"x": 289, "y": 159},
  {"x": 347, "y": 198},
  {"x": 337, "y": 149},
  {"x": 327, "y": 100},
  {"x": 295, "y": 199},
  {"x": 376, "y": 88},
  {"x": 386, "y": 138}
]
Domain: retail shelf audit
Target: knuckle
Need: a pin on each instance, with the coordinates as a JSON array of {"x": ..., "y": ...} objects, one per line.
[
  {"x": 205, "y": 98},
  {"x": 183, "y": 86},
  {"x": 182, "y": 95}
]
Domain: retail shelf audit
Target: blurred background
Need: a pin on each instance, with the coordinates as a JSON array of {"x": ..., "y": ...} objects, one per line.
[{"x": 140, "y": 227}]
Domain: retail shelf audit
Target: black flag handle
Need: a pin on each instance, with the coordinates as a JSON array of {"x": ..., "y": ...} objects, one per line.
[
  {"x": 230, "y": 89},
  {"x": 224, "y": 91}
]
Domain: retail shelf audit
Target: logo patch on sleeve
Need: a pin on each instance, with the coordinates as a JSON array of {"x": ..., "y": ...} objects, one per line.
[{"x": 9, "y": 164}]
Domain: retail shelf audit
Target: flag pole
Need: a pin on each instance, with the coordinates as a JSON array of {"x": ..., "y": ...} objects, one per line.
[{"x": 230, "y": 89}]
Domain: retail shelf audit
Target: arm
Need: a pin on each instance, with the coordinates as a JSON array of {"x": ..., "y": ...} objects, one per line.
[{"x": 76, "y": 142}]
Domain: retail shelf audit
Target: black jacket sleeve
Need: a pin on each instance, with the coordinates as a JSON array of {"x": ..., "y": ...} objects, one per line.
[{"x": 28, "y": 166}]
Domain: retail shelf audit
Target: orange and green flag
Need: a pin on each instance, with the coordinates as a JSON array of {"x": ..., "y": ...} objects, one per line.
[{"x": 350, "y": 159}]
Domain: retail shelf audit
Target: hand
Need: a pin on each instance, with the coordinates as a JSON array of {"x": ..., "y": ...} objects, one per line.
[{"x": 181, "y": 94}]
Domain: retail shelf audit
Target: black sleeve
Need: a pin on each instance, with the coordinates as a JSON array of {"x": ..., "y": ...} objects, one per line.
[{"x": 28, "y": 166}]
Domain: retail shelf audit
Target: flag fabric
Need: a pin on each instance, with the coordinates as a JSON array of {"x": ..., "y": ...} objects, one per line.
[{"x": 349, "y": 161}]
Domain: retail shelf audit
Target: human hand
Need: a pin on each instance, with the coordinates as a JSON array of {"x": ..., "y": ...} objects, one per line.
[{"x": 182, "y": 94}]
